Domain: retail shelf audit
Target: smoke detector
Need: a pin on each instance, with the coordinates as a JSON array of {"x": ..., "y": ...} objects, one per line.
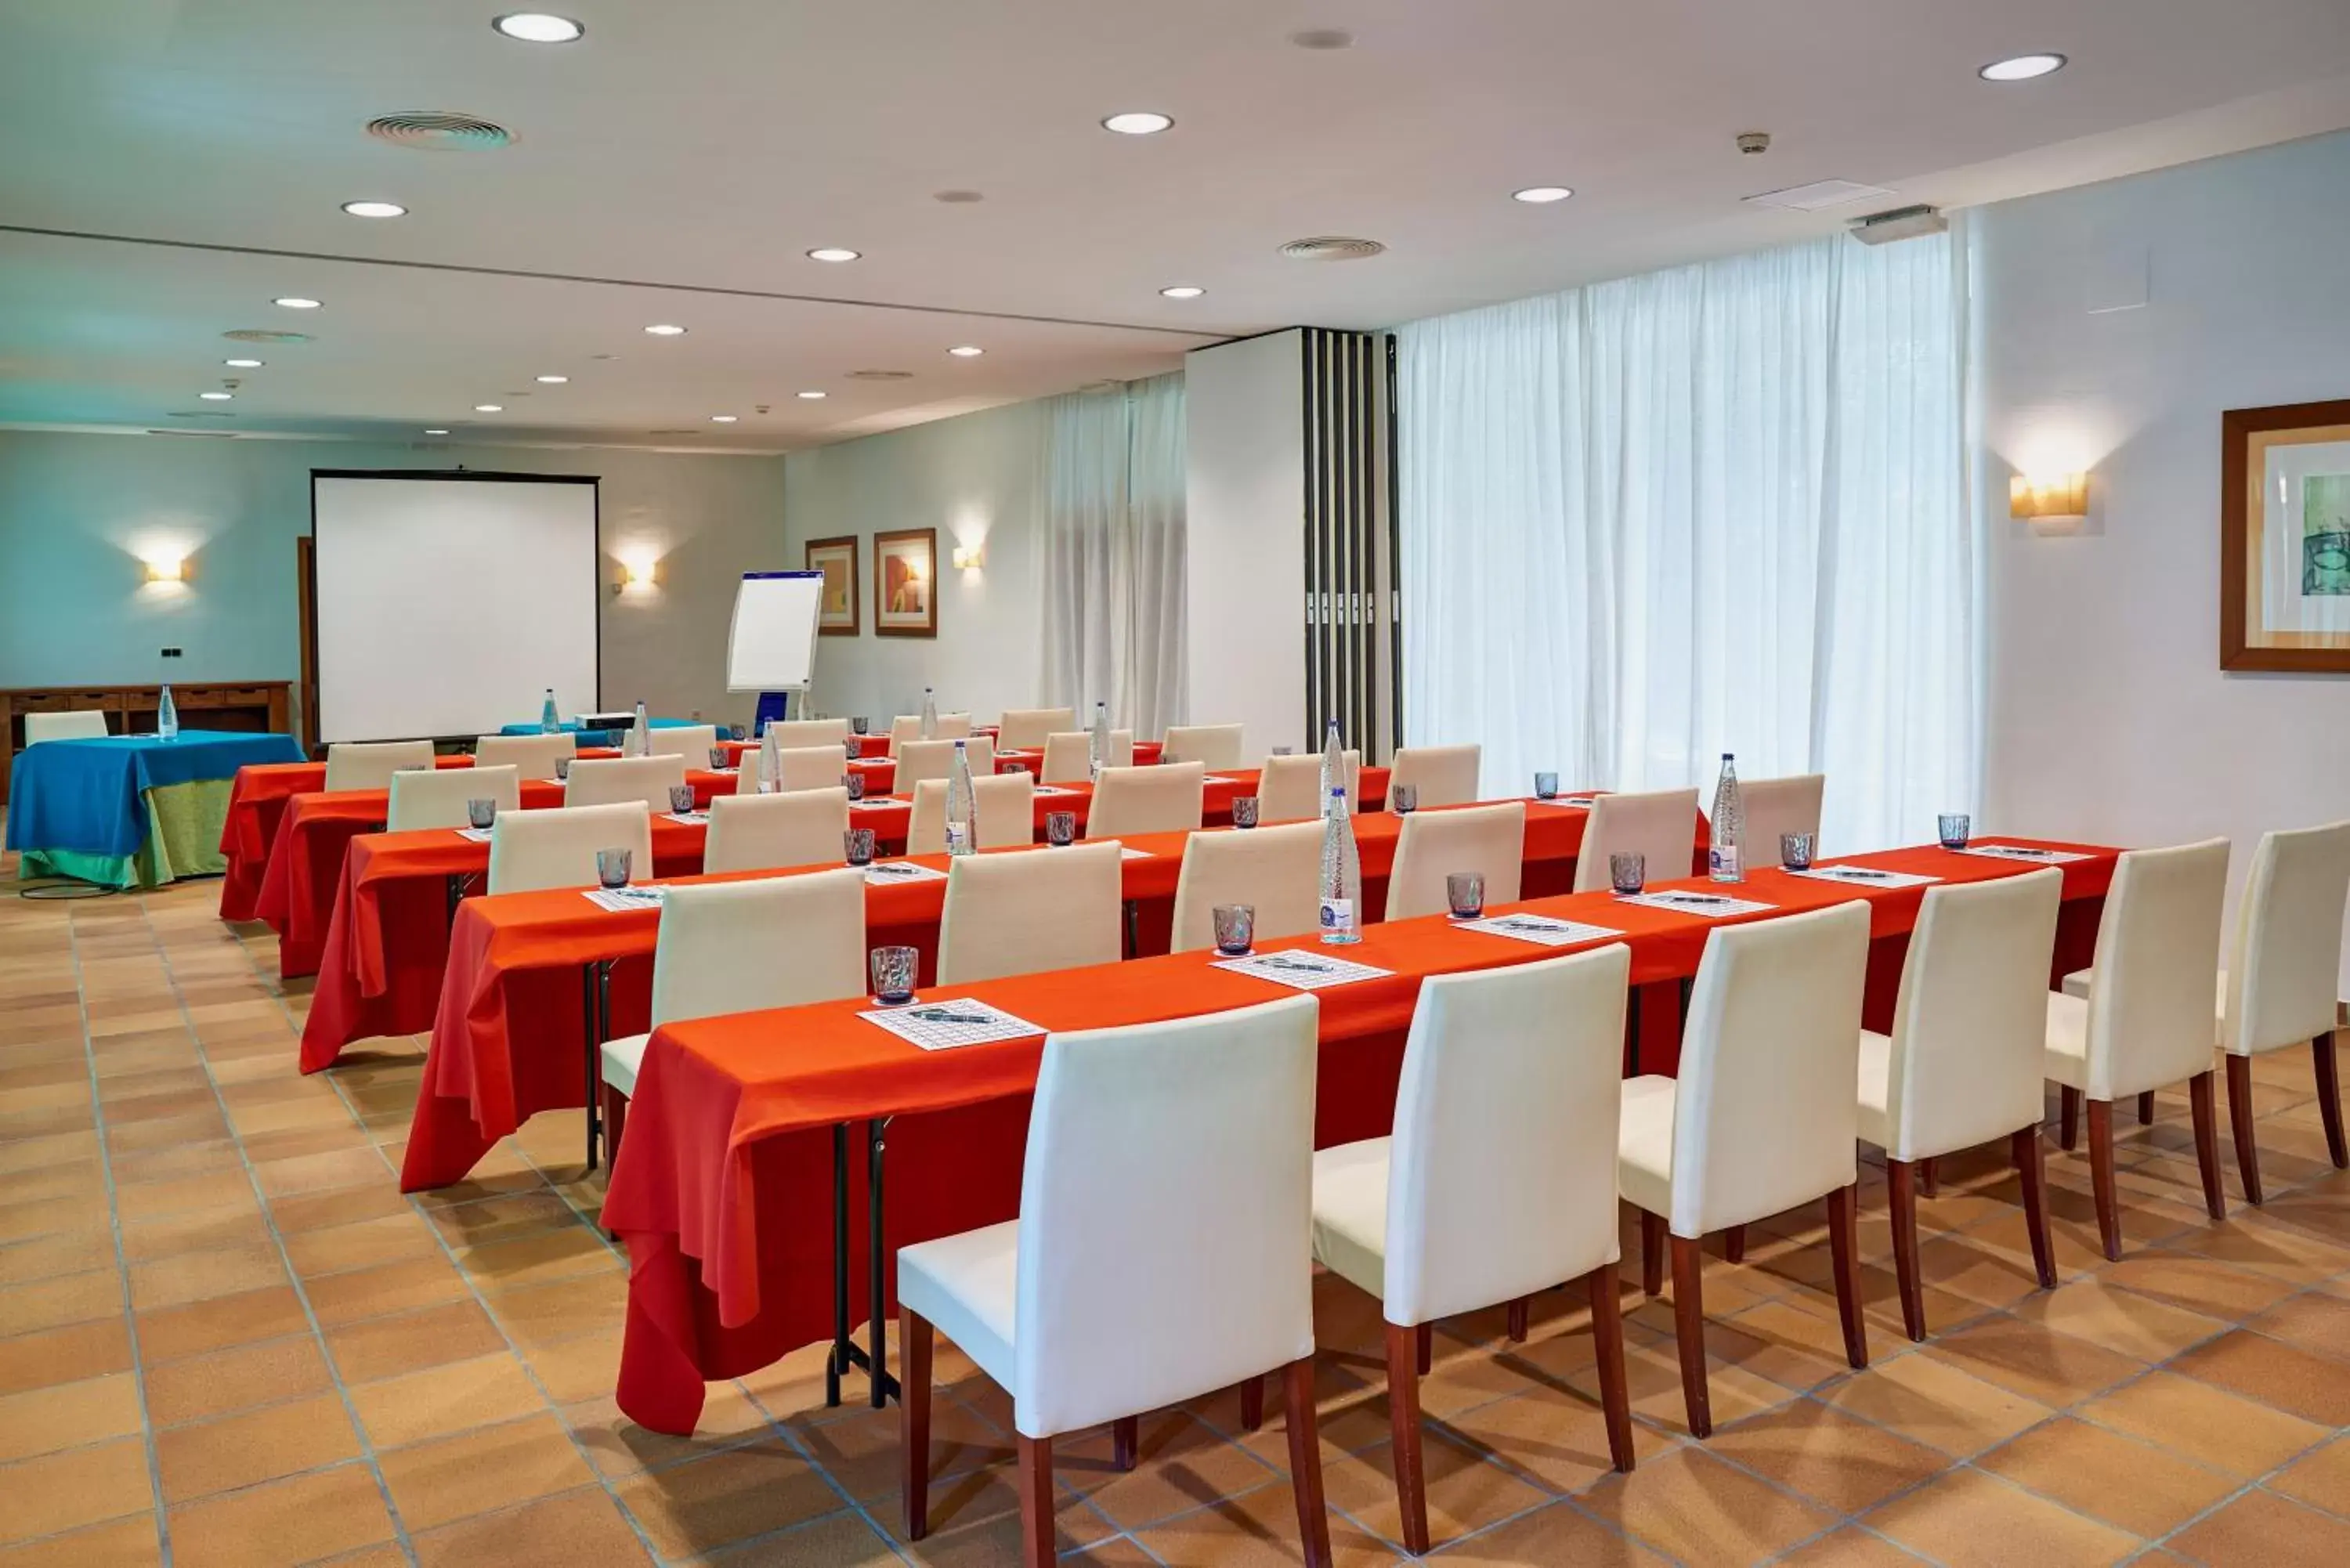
[
  {"x": 1754, "y": 142},
  {"x": 1331, "y": 247},
  {"x": 439, "y": 130}
]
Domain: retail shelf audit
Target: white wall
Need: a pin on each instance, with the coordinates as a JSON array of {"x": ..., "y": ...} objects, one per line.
[
  {"x": 1245, "y": 514},
  {"x": 78, "y": 512},
  {"x": 2108, "y": 717},
  {"x": 977, "y": 479}
]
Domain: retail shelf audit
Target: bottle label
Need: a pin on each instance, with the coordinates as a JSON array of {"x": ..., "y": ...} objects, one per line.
[
  {"x": 958, "y": 839},
  {"x": 1337, "y": 914},
  {"x": 1723, "y": 861}
]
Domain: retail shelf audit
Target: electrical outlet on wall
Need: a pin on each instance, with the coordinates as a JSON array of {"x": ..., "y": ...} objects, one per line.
[{"x": 170, "y": 653}]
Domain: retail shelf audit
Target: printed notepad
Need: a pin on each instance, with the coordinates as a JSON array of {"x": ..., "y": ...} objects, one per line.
[
  {"x": 944, "y": 1025},
  {"x": 1543, "y": 930},
  {"x": 1304, "y": 970},
  {"x": 619, "y": 901},
  {"x": 1864, "y": 876},
  {"x": 2018, "y": 851},
  {"x": 478, "y": 835},
  {"x": 1713, "y": 906},
  {"x": 689, "y": 818},
  {"x": 882, "y": 872}
]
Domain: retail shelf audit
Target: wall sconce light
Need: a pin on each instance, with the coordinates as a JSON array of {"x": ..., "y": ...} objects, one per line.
[
  {"x": 167, "y": 569},
  {"x": 639, "y": 576},
  {"x": 2052, "y": 503},
  {"x": 969, "y": 556}
]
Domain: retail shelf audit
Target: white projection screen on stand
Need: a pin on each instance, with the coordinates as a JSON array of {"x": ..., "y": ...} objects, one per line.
[{"x": 447, "y": 603}]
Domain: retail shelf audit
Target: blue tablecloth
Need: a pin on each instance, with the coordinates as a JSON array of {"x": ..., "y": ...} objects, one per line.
[
  {"x": 597, "y": 737},
  {"x": 83, "y": 795}
]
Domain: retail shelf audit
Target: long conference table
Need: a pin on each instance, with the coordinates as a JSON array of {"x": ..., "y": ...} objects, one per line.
[{"x": 730, "y": 1189}]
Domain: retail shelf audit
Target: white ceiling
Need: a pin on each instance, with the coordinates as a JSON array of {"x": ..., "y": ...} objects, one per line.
[{"x": 676, "y": 164}]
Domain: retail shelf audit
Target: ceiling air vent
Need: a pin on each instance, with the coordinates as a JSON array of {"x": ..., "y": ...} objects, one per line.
[
  {"x": 439, "y": 130},
  {"x": 218, "y": 435},
  {"x": 674, "y": 433},
  {"x": 263, "y": 335},
  {"x": 1819, "y": 194},
  {"x": 881, "y": 375},
  {"x": 1331, "y": 247}
]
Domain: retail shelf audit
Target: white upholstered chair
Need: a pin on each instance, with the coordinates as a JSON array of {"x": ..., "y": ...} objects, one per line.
[
  {"x": 1435, "y": 844},
  {"x": 741, "y": 947},
  {"x": 73, "y": 725},
  {"x": 791, "y": 734},
  {"x": 1212, "y": 745},
  {"x": 1022, "y": 914},
  {"x": 369, "y": 764},
  {"x": 2281, "y": 983},
  {"x": 1069, "y": 757},
  {"x": 1774, "y": 807},
  {"x": 909, "y": 727},
  {"x": 533, "y": 756},
  {"x": 1962, "y": 1065},
  {"x": 599, "y": 780},
  {"x": 437, "y": 797},
  {"x": 1169, "y": 798},
  {"x": 776, "y": 832},
  {"x": 1760, "y": 1118},
  {"x": 694, "y": 743},
  {"x": 1007, "y": 807},
  {"x": 1499, "y": 1179},
  {"x": 920, "y": 760},
  {"x": 1289, "y": 789},
  {"x": 2148, "y": 1020},
  {"x": 1162, "y": 1251},
  {"x": 1025, "y": 729},
  {"x": 533, "y": 849},
  {"x": 807, "y": 767},
  {"x": 1274, "y": 871},
  {"x": 1661, "y": 826},
  {"x": 1444, "y": 775}
]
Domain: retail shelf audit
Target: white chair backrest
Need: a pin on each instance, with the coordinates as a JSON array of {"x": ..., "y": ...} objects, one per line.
[
  {"x": 1168, "y": 1191},
  {"x": 1777, "y": 806},
  {"x": 691, "y": 741},
  {"x": 535, "y": 850},
  {"x": 1764, "y": 1114},
  {"x": 436, "y": 797},
  {"x": 1444, "y": 775},
  {"x": 2150, "y": 1014},
  {"x": 774, "y": 832},
  {"x": 369, "y": 764},
  {"x": 2284, "y": 979},
  {"x": 1436, "y": 844},
  {"x": 1276, "y": 871},
  {"x": 1501, "y": 1177},
  {"x": 771, "y": 942},
  {"x": 1216, "y": 745},
  {"x": 1168, "y": 798},
  {"x": 920, "y": 760},
  {"x": 1289, "y": 789},
  {"x": 1069, "y": 757},
  {"x": 909, "y": 727},
  {"x": 1661, "y": 826},
  {"x": 1971, "y": 1029},
  {"x": 74, "y": 724},
  {"x": 1025, "y": 729},
  {"x": 600, "y": 781},
  {"x": 794, "y": 733},
  {"x": 1006, "y": 803},
  {"x": 1022, "y": 914},
  {"x": 808, "y": 767},
  {"x": 533, "y": 755}
]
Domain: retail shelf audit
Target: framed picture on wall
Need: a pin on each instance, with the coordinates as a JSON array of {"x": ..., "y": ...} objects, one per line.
[
  {"x": 2285, "y": 538},
  {"x": 836, "y": 615},
  {"x": 905, "y": 583}
]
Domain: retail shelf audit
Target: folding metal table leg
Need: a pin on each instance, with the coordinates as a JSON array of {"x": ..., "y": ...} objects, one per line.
[
  {"x": 885, "y": 1388},
  {"x": 593, "y": 1052}
]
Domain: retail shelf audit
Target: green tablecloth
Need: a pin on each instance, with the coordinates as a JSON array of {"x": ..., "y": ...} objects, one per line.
[{"x": 183, "y": 835}]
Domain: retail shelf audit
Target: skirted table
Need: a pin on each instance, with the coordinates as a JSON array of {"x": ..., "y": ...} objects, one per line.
[
  {"x": 130, "y": 811},
  {"x": 599, "y": 737}
]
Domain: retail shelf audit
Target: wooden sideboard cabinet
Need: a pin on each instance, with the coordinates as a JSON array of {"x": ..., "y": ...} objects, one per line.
[{"x": 265, "y": 706}]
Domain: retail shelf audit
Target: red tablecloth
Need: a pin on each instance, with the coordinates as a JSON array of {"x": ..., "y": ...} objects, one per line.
[
  {"x": 723, "y": 1189},
  {"x": 507, "y": 1037},
  {"x": 257, "y": 799},
  {"x": 867, "y": 746}
]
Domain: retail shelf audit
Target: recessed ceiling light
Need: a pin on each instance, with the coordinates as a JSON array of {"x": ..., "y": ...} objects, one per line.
[
  {"x": 1183, "y": 291},
  {"x": 1538, "y": 194},
  {"x": 216, "y": 396},
  {"x": 813, "y": 395},
  {"x": 242, "y": 364},
  {"x": 2022, "y": 68},
  {"x": 723, "y": 418},
  {"x": 552, "y": 380},
  {"x": 489, "y": 407},
  {"x": 436, "y": 432},
  {"x": 375, "y": 209},
  {"x": 1137, "y": 122},
  {"x": 295, "y": 302},
  {"x": 966, "y": 352},
  {"x": 665, "y": 330},
  {"x": 833, "y": 253},
  {"x": 538, "y": 28}
]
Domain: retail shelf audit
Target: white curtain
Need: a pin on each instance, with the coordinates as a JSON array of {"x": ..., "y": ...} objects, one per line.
[
  {"x": 1114, "y": 546},
  {"x": 1716, "y": 509}
]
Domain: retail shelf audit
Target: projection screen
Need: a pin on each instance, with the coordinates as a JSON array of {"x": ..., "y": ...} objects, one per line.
[{"x": 447, "y": 603}]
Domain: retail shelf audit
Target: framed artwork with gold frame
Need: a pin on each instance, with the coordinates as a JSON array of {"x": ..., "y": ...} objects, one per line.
[
  {"x": 2285, "y": 538},
  {"x": 836, "y": 612},
  {"x": 906, "y": 583}
]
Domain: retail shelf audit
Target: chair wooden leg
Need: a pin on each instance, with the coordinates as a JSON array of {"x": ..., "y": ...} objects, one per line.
[
  {"x": 1424, "y": 1347},
  {"x": 1652, "y": 1252},
  {"x": 2207, "y": 1142},
  {"x": 1608, "y": 1350},
  {"x": 1844, "y": 1248},
  {"x": 1253, "y": 1404},
  {"x": 1518, "y": 1319},
  {"x": 1036, "y": 1502},
  {"x": 914, "y": 1418},
  {"x": 2101, "y": 1178},
  {"x": 1901, "y": 1201},
  {"x": 2240, "y": 1125},
  {"x": 2146, "y": 1108},
  {"x": 1125, "y": 1436},
  {"x": 1403, "y": 1420},
  {"x": 2025, "y": 1149},
  {"x": 2068, "y": 1118},
  {"x": 1733, "y": 1243},
  {"x": 1305, "y": 1463},
  {"x": 2329, "y": 1099},
  {"x": 1689, "y": 1331},
  {"x": 1930, "y": 1178}
]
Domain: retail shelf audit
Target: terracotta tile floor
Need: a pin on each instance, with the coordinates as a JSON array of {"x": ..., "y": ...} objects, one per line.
[{"x": 222, "y": 1328}]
